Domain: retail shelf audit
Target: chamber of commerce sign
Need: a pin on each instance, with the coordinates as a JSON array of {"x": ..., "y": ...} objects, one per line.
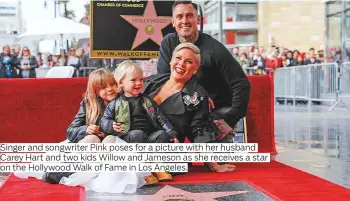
[{"x": 129, "y": 29}]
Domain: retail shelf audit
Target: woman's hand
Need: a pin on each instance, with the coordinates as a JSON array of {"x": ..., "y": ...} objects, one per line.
[
  {"x": 211, "y": 104},
  {"x": 174, "y": 140},
  {"x": 93, "y": 129},
  {"x": 116, "y": 127},
  {"x": 100, "y": 134}
]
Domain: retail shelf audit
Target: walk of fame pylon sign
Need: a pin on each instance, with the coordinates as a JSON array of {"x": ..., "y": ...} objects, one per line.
[{"x": 129, "y": 29}]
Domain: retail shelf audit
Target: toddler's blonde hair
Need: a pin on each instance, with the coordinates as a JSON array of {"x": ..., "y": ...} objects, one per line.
[{"x": 125, "y": 68}]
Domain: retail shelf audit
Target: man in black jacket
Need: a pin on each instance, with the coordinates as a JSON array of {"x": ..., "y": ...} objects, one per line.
[{"x": 219, "y": 73}]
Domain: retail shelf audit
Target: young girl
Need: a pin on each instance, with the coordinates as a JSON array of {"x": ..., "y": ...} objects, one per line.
[
  {"x": 134, "y": 117},
  {"x": 101, "y": 89}
]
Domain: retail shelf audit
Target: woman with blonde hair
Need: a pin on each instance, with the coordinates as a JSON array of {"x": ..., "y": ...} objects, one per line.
[
  {"x": 186, "y": 103},
  {"x": 26, "y": 64}
]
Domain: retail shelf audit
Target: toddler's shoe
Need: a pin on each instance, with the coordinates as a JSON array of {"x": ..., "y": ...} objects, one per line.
[
  {"x": 151, "y": 179},
  {"x": 163, "y": 176}
]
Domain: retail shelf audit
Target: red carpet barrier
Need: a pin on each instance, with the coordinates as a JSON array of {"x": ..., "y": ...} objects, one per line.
[
  {"x": 40, "y": 110},
  {"x": 260, "y": 117}
]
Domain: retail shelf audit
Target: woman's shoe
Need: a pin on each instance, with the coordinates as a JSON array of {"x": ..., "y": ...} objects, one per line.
[
  {"x": 151, "y": 179},
  {"x": 163, "y": 176}
]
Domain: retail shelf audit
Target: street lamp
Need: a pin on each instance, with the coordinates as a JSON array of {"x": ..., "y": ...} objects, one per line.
[{"x": 55, "y": 6}]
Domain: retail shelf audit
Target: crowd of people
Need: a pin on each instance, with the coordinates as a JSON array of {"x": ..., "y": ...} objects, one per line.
[
  {"x": 255, "y": 60},
  {"x": 19, "y": 62}
]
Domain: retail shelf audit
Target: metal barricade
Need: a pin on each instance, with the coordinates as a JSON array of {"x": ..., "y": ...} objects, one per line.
[
  {"x": 283, "y": 79},
  {"x": 315, "y": 83},
  {"x": 84, "y": 71},
  {"x": 344, "y": 86}
]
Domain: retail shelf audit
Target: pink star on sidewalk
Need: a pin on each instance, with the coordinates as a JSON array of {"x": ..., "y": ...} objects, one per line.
[
  {"x": 169, "y": 192},
  {"x": 149, "y": 25}
]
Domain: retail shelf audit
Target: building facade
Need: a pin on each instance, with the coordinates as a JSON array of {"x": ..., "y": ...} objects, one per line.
[
  {"x": 238, "y": 17},
  {"x": 337, "y": 30},
  {"x": 11, "y": 21},
  {"x": 291, "y": 24}
]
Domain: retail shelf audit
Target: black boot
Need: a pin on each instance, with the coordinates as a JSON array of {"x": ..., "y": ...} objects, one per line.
[{"x": 55, "y": 177}]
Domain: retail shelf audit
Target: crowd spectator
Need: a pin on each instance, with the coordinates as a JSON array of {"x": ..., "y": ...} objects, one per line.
[
  {"x": 290, "y": 59},
  {"x": 26, "y": 63},
  {"x": 89, "y": 62},
  {"x": 244, "y": 60},
  {"x": 296, "y": 53},
  {"x": 72, "y": 59},
  {"x": 235, "y": 54},
  {"x": 273, "y": 61},
  {"x": 8, "y": 63},
  {"x": 17, "y": 51},
  {"x": 257, "y": 62},
  {"x": 80, "y": 54},
  {"x": 300, "y": 61}
]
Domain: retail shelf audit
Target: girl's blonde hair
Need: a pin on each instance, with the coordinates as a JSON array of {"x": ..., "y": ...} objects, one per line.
[
  {"x": 125, "y": 68},
  {"x": 98, "y": 79}
]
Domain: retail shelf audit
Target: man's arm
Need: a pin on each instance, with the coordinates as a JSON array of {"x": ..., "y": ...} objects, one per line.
[
  {"x": 239, "y": 84},
  {"x": 163, "y": 66}
]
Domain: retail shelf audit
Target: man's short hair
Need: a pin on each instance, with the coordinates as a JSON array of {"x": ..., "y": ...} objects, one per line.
[{"x": 178, "y": 2}]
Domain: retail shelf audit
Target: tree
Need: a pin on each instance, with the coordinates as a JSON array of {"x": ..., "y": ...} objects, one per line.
[{"x": 67, "y": 13}]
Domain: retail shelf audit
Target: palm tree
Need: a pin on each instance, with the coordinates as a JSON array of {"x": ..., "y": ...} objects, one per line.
[{"x": 67, "y": 13}]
